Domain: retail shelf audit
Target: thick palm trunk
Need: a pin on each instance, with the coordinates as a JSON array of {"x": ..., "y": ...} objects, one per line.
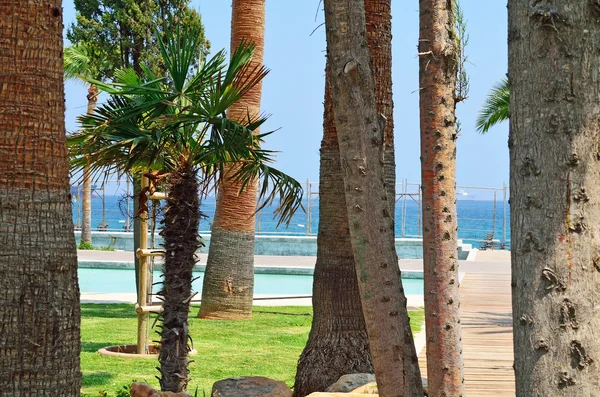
[
  {"x": 180, "y": 234},
  {"x": 338, "y": 342},
  {"x": 39, "y": 295},
  {"x": 361, "y": 140},
  {"x": 338, "y": 338},
  {"x": 437, "y": 78},
  {"x": 555, "y": 202},
  {"x": 86, "y": 202},
  {"x": 229, "y": 279}
]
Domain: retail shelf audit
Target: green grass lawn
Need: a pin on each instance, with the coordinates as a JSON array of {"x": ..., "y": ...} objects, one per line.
[{"x": 268, "y": 345}]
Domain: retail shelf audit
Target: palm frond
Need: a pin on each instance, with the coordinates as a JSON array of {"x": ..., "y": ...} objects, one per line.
[
  {"x": 76, "y": 63},
  {"x": 496, "y": 108},
  {"x": 274, "y": 184},
  {"x": 178, "y": 51}
]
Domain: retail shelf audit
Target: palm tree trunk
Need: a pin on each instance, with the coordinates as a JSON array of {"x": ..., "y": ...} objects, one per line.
[
  {"x": 229, "y": 278},
  {"x": 361, "y": 141},
  {"x": 180, "y": 234},
  {"x": 338, "y": 342},
  {"x": 338, "y": 339},
  {"x": 39, "y": 295},
  {"x": 86, "y": 223},
  {"x": 437, "y": 76},
  {"x": 554, "y": 196}
]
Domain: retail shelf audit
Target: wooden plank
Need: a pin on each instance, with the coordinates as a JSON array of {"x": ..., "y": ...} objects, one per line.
[{"x": 486, "y": 319}]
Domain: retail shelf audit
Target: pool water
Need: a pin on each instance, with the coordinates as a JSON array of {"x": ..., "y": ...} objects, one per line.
[{"x": 123, "y": 281}]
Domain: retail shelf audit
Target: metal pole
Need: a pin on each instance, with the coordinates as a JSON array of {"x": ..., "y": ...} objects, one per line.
[
  {"x": 504, "y": 190},
  {"x": 494, "y": 221},
  {"x": 404, "y": 191},
  {"x": 420, "y": 220},
  {"x": 127, "y": 212},
  {"x": 79, "y": 204},
  {"x": 308, "y": 209},
  {"x": 104, "y": 224}
]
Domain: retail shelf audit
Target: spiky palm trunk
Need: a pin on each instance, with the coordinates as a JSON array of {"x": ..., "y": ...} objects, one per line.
[
  {"x": 39, "y": 295},
  {"x": 437, "y": 76},
  {"x": 180, "y": 234},
  {"x": 229, "y": 279}
]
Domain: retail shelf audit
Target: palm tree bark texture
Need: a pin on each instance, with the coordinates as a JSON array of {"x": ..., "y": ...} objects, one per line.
[
  {"x": 437, "y": 79},
  {"x": 555, "y": 203},
  {"x": 180, "y": 235},
  {"x": 229, "y": 278},
  {"x": 361, "y": 144},
  {"x": 39, "y": 295},
  {"x": 338, "y": 342}
]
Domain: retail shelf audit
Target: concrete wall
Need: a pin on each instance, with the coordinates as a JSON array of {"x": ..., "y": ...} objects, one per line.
[{"x": 407, "y": 248}]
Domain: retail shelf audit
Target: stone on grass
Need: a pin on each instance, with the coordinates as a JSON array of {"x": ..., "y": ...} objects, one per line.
[
  {"x": 347, "y": 383},
  {"x": 338, "y": 394},
  {"x": 250, "y": 386},
  {"x": 369, "y": 388},
  {"x": 139, "y": 389}
]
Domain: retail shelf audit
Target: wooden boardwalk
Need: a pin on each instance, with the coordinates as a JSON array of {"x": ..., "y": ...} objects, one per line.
[{"x": 487, "y": 335}]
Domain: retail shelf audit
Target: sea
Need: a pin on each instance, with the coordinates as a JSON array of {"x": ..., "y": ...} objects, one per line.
[{"x": 482, "y": 223}]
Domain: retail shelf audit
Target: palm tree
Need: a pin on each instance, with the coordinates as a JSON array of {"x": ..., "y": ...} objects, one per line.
[
  {"x": 78, "y": 64},
  {"x": 176, "y": 129},
  {"x": 496, "y": 107},
  {"x": 229, "y": 277},
  {"x": 360, "y": 132},
  {"x": 39, "y": 298},
  {"x": 338, "y": 342},
  {"x": 439, "y": 57}
]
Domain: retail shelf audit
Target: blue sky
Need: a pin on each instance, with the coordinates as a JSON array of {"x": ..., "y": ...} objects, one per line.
[{"x": 293, "y": 91}]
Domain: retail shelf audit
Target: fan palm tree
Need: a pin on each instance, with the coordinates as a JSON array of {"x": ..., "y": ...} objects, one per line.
[
  {"x": 496, "y": 107},
  {"x": 77, "y": 65},
  {"x": 176, "y": 129}
]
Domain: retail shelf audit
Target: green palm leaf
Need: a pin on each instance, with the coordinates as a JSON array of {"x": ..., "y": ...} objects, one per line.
[{"x": 496, "y": 107}]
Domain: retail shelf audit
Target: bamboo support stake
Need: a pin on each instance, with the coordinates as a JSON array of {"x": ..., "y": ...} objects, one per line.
[
  {"x": 148, "y": 252},
  {"x": 143, "y": 317}
]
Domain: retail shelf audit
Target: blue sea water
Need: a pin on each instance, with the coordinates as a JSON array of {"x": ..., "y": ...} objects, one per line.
[{"x": 475, "y": 218}]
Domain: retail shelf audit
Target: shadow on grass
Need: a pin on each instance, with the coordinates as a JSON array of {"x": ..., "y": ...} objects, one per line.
[
  {"x": 112, "y": 310},
  {"x": 98, "y": 378},
  {"x": 92, "y": 347}
]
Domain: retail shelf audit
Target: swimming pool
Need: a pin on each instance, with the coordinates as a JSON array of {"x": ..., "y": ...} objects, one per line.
[{"x": 123, "y": 281}]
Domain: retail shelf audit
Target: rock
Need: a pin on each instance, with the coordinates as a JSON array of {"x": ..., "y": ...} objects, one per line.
[
  {"x": 366, "y": 389},
  {"x": 347, "y": 383},
  {"x": 369, "y": 388},
  {"x": 338, "y": 394},
  {"x": 139, "y": 389},
  {"x": 250, "y": 386}
]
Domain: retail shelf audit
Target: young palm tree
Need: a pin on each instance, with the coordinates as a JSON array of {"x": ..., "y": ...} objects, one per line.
[
  {"x": 496, "y": 107},
  {"x": 176, "y": 128},
  {"x": 78, "y": 64}
]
